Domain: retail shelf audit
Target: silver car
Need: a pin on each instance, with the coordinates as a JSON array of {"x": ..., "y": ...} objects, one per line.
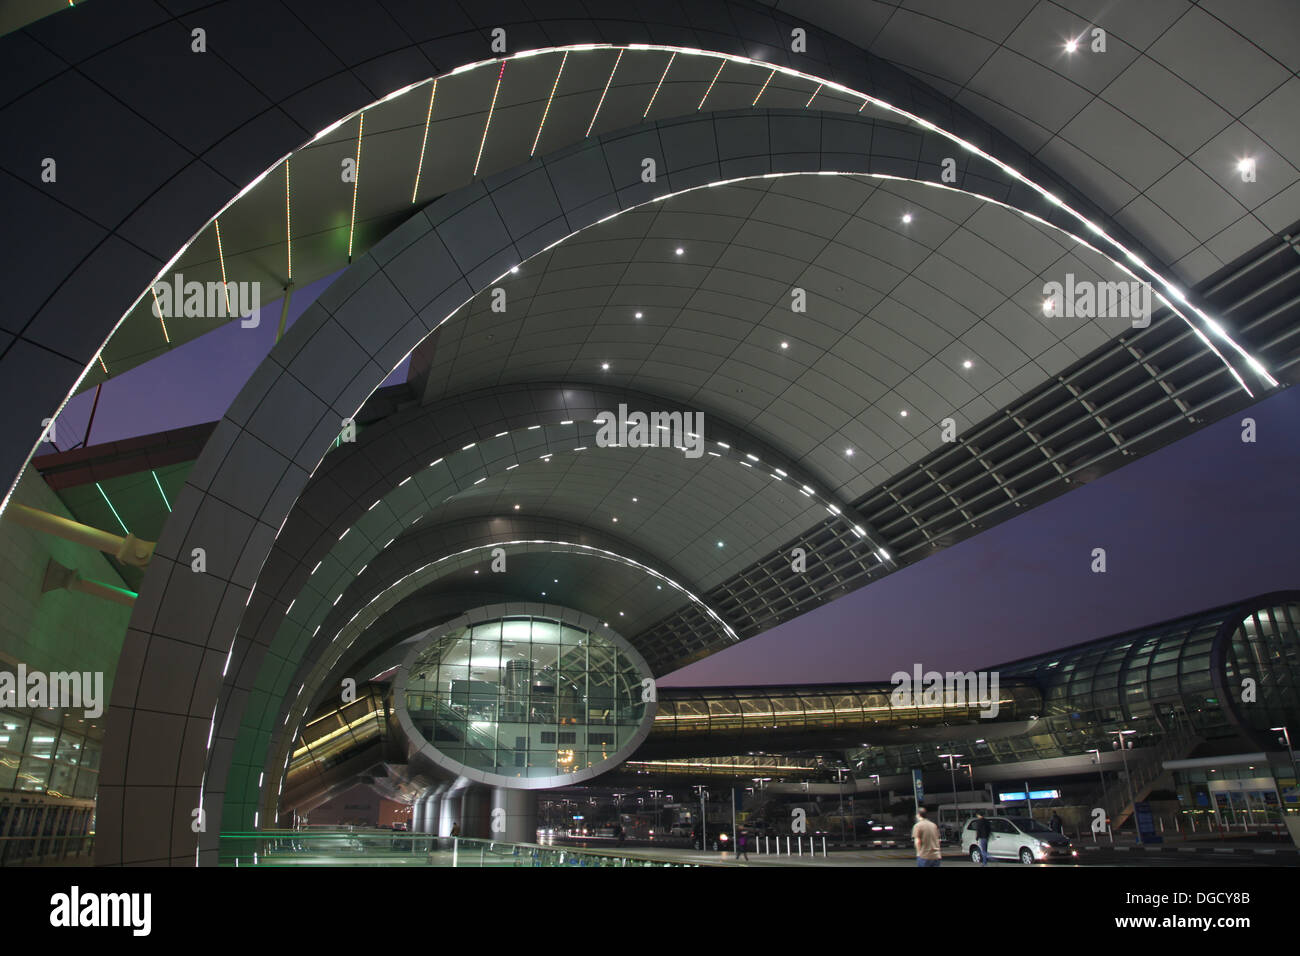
[{"x": 1019, "y": 838}]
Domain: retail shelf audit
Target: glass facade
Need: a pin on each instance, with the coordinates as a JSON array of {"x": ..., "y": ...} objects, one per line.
[
  {"x": 526, "y": 697},
  {"x": 856, "y": 710},
  {"x": 39, "y": 753},
  {"x": 1225, "y": 673}
]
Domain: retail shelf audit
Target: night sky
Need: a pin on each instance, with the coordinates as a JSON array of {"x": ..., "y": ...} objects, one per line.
[{"x": 1205, "y": 521}]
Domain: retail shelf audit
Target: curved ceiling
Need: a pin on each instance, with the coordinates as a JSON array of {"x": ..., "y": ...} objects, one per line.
[
  {"x": 928, "y": 298},
  {"x": 907, "y": 323},
  {"x": 1152, "y": 129}
]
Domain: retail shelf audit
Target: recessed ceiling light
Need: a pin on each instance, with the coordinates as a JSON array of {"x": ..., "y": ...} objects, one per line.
[
  {"x": 967, "y": 364},
  {"x": 514, "y": 269},
  {"x": 476, "y": 572},
  {"x": 516, "y": 507},
  {"x": 659, "y": 587},
  {"x": 604, "y": 366},
  {"x": 903, "y": 413},
  {"x": 615, "y": 520},
  {"x": 556, "y": 580},
  {"x": 785, "y": 345},
  {"x": 849, "y": 452},
  {"x": 543, "y": 594},
  {"x": 907, "y": 217},
  {"x": 634, "y": 499},
  {"x": 1245, "y": 165},
  {"x": 638, "y": 315},
  {"x": 1071, "y": 45},
  {"x": 620, "y": 613},
  {"x": 720, "y": 544},
  {"x": 1047, "y": 307},
  {"x": 680, "y": 250}
]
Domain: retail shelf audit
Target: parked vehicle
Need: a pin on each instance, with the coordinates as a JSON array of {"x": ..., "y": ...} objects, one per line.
[{"x": 1019, "y": 838}]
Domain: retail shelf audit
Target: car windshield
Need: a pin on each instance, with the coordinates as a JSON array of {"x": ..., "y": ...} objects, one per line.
[{"x": 1025, "y": 825}]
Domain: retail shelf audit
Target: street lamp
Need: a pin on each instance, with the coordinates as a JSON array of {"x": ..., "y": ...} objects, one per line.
[
  {"x": 1295, "y": 768},
  {"x": 952, "y": 768},
  {"x": 1120, "y": 744},
  {"x": 704, "y": 817},
  {"x": 839, "y": 779}
]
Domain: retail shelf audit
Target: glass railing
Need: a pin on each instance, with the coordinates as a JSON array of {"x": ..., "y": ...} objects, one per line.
[{"x": 367, "y": 847}]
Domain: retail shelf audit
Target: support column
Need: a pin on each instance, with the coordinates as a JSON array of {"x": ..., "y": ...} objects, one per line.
[
  {"x": 418, "y": 807},
  {"x": 449, "y": 812},
  {"x": 433, "y": 808},
  {"x": 517, "y": 812},
  {"x": 475, "y": 812}
]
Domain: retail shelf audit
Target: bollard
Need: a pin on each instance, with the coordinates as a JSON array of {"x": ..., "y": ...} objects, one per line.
[
  {"x": 823, "y": 848},
  {"x": 787, "y": 846},
  {"x": 799, "y": 843}
]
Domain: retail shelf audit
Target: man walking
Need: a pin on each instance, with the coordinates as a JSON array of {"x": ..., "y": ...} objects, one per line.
[
  {"x": 925, "y": 837},
  {"x": 982, "y": 830}
]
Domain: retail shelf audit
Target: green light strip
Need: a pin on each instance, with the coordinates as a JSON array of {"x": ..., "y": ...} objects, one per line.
[
  {"x": 160, "y": 489},
  {"x": 112, "y": 509}
]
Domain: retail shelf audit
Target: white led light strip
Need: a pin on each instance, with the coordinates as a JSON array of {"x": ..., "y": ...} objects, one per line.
[{"x": 1174, "y": 291}]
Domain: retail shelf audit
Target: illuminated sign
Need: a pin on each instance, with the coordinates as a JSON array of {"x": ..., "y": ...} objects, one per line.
[{"x": 1015, "y": 795}]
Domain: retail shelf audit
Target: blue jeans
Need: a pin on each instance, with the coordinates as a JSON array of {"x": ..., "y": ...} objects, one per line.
[
  {"x": 984, "y": 851},
  {"x": 921, "y": 861}
]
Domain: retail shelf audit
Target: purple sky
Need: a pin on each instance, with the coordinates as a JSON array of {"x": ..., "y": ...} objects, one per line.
[{"x": 1202, "y": 522}]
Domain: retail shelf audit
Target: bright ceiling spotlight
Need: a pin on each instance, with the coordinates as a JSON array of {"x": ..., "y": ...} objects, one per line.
[
  {"x": 907, "y": 218},
  {"x": 1246, "y": 165},
  {"x": 514, "y": 270},
  {"x": 1047, "y": 307},
  {"x": 604, "y": 366},
  {"x": 638, "y": 315},
  {"x": 785, "y": 345},
  {"x": 680, "y": 250},
  {"x": 903, "y": 413},
  {"x": 721, "y": 544},
  {"x": 1071, "y": 45},
  {"x": 967, "y": 364}
]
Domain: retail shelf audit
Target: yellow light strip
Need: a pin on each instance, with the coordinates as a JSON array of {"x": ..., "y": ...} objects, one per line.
[
  {"x": 711, "y": 82},
  {"x": 101, "y": 363},
  {"x": 158, "y": 310},
  {"x": 763, "y": 87},
  {"x": 488, "y": 124},
  {"x": 288, "y": 223},
  {"x": 659, "y": 84},
  {"x": 617, "y": 61},
  {"x": 814, "y": 96},
  {"x": 428, "y": 119},
  {"x": 546, "y": 112},
  {"x": 356, "y": 183},
  {"x": 221, "y": 257}
]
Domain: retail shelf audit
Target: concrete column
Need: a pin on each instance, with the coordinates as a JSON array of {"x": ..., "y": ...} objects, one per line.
[
  {"x": 433, "y": 808},
  {"x": 475, "y": 812},
  {"x": 517, "y": 811},
  {"x": 449, "y": 812},
  {"x": 418, "y": 806}
]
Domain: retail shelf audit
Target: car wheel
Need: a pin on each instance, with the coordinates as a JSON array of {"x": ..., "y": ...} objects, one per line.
[
  {"x": 975, "y": 854},
  {"x": 1026, "y": 855}
]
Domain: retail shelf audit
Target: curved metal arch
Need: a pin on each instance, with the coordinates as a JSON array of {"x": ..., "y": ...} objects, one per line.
[
  {"x": 946, "y": 128},
  {"x": 377, "y": 601},
  {"x": 275, "y": 446}
]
